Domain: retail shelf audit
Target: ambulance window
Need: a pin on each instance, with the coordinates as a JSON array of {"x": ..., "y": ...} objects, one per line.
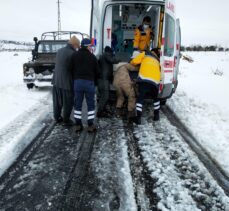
[{"x": 169, "y": 35}]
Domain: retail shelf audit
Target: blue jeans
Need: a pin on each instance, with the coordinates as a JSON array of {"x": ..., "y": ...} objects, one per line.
[{"x": 84, "y": 88}]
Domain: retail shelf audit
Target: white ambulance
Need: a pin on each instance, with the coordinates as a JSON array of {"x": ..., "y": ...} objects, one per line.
[{"x": 113, "y": 23}]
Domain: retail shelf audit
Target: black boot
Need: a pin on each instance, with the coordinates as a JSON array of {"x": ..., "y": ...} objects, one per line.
[
  {"x": 119, "y": 112},
  {"x": 138, "y": 120},
  {"x": 131, "y": 116},
  {"x": 156, "y": 116}
]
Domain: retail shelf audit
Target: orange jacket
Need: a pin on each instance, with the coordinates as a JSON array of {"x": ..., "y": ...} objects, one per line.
[
  {"x": 150, "y": 67},
  {"x": 142, "y": 38}
]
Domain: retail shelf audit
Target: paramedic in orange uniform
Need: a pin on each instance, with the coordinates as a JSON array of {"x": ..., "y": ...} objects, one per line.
[{"x": 143, "y": 35}]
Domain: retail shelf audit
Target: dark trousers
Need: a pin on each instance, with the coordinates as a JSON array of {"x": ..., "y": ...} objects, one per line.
[
  {"x": 104, "y": 87},
  {"x": 62, "y": 100},
  {"x": 84, "y": 88},
  {"x": 147, "y": 88}
]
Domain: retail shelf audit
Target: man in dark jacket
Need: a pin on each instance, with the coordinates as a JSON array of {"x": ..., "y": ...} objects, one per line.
[
  {"x": 85, "y": 71},
  {"x": 63, "y": 82},
  {"x": 106, "y": 62}
]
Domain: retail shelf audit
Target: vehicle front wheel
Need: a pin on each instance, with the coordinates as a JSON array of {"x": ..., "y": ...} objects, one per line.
[{"x": 30, "y": 86}]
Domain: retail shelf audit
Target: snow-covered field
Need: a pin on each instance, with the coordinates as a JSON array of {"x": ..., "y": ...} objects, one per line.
[
  {"x": 12, "y": 45},
  {"x": 19, "y": 108},
  {"x": 202, "y": 99}
]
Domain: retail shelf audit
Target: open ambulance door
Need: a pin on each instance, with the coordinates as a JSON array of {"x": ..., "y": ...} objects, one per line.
[
  {"x": 168, "y": 51},
  {"x": 95, "y": 25},
  {"x": 178, "y": 55}
]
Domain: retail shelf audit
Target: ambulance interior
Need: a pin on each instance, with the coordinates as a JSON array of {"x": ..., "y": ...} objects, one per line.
[{"x": 124, "y": 19}]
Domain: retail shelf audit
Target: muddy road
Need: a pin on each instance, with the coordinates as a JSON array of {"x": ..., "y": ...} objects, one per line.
[{"x": 120, "y": 167}]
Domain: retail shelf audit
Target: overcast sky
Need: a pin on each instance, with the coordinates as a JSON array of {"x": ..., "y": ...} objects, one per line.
[{"x": 202, "y": 21}]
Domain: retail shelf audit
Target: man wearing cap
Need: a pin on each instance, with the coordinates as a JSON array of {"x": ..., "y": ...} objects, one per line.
[
  {"x": 63, "y": 95},
  {"x": 85, "y": 71}
]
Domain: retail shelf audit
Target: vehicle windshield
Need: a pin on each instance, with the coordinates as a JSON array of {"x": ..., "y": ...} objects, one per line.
[{"x": 50, "y": 47}]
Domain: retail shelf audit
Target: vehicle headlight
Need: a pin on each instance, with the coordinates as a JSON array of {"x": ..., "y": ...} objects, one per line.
[
  {"x": 39, "y": 76},
  {"x": 28, "y": 72},
  {"x": 31, "y": 70}
]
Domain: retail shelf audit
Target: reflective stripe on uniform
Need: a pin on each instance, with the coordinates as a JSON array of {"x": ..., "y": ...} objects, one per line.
[
  {"x": 91, "y": 112},
  {"x": 139, "y": 107},
  {"x": 77, "y": 112},
  {"x": 91, "y": 115},
  {"x": 156, "y": 107},
  {"x": 77, "y": 116}
]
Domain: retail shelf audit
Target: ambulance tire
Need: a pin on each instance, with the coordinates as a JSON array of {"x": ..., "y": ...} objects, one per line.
[{"x": 163, "y": 102}]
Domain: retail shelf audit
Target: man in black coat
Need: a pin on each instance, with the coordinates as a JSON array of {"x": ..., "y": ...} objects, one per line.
[
  {"x": 106, "y": 62},
  {"x": 63, "y": 96},
  {"x": 85, "y": 71}
]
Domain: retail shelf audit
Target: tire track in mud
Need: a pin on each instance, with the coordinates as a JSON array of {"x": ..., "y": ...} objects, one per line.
[
  {"x": 37, "y": 179},
  {"x": 78, "y": 179},
  {"x": 213, "y": 167},
  {"x": 101, "y": 178}
]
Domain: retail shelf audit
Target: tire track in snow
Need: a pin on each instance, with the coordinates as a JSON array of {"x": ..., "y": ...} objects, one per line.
[
  {"x": 213, "y": 167},
  {"x": 101, "y": 179},
  {"x": 176, "y": 167},
  {"x": 143, "y": 183}
]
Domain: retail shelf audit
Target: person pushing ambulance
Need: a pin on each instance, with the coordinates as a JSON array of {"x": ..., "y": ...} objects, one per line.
[{"x": 148, "y": 80}]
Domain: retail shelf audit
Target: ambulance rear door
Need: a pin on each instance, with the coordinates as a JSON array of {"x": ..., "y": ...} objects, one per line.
[
  {"x": 178, "y": 55},
  {"x": 96, "y": 25},
  {"x": 168, "y": 50}
]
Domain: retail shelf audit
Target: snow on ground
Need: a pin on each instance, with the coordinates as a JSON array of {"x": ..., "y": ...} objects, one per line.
[
  {"x": 201, "y": 101},
  {"x": 110, "y": 165},
  {"x": 181, "y": 182},
  {"x": 19, "y": 108},
  {"x": 12, "y": 45}
]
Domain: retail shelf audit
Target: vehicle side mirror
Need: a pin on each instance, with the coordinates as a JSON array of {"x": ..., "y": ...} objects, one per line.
[
  {"x": 35, "y": 39},
  {"x": 34, "y": 54}
]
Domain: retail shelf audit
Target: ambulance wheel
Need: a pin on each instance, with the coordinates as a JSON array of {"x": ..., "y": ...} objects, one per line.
[
  {"x": 163, "y": 102},
  {"x": 30, "y": 86}
]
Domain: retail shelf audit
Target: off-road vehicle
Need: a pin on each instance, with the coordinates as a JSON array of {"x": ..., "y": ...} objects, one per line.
[{"x": 38, "y": 71}]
